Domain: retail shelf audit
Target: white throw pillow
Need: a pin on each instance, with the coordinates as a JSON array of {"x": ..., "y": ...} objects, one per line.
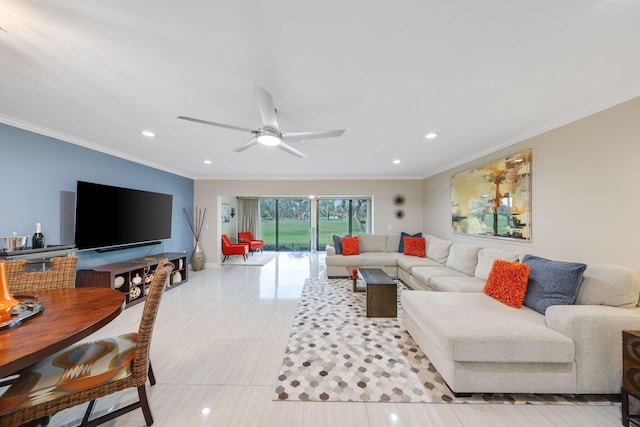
[
  {"x": 438, "y": 249},
  {"x": 393, "y": 242},
  {"x": 612, "y": 285},
  {"x": 486, "y": 256},
  {"x": 463, "y": 258}
]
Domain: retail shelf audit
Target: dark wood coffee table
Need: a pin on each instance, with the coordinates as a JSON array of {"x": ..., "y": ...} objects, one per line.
[{"x": 382, "y": 293}]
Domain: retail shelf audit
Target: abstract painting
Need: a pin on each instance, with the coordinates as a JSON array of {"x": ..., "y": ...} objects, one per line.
[{"x": 494, "y": 199}]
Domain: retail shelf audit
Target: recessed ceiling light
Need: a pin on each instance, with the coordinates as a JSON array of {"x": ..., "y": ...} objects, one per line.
[
  {"x": 207, "y": 162},
  {"x": 396, "y": 162},
  {"x": 148, "y": 134},
  {"x": 431, "y": 135}
]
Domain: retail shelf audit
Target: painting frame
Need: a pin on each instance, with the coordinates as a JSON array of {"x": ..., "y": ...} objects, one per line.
[
  {"x": 494, "y": 199},
  {"x": 226, "y": 212}
]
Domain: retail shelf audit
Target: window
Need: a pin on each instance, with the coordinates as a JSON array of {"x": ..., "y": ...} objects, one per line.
[
  {"x": 341, "y": 217},
  {"x": 287, "y": 223}
]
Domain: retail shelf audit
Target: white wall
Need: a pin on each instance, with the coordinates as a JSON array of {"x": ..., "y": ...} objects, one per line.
[
  {"x": 209, "y": 194},
  {"x": 585, "y": 191}
]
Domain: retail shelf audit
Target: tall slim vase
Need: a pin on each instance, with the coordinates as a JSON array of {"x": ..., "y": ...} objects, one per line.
[{"x": 197, "y": 258}]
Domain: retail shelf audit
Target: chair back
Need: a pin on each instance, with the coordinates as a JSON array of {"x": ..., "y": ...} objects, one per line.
[
  {"x": 225, "y": 241},
  {"x": 245, "y": 235},
  {"x": 62, "y": 275},
  {"x": 152, "y": 302}
]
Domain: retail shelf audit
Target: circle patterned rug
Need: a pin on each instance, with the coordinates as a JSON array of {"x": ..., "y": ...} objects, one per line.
[{"x": 336, "y": 353}]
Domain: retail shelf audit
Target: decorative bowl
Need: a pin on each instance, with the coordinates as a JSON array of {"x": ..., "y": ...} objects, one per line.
[{"x": 14, "y": 243}]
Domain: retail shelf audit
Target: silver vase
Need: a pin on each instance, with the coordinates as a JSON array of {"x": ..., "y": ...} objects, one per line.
[{"x": 197, "y": 258}]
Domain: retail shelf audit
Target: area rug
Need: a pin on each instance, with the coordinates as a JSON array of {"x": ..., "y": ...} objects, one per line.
[
  {"x": 336, "y": 353},
  {"x": 254, "y": 259}
]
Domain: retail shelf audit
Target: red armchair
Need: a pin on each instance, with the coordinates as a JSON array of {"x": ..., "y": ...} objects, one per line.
[
  {"x": 247, "y": 237},
  {"x": 229, "y": 249}
]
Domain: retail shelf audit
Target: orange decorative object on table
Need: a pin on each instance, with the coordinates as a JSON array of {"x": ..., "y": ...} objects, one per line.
[{"x": 7, "y": 301}]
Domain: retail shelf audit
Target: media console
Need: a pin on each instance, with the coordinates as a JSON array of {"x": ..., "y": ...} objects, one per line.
[{"x": 133, "y": 277}]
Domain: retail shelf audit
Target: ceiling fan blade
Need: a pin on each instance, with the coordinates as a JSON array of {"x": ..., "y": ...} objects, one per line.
[
  {"x": 267, "y": 109},
  {"x": 246, "y": 145},
  {"x": 222, "y": 125},
  {"x": 289, "y": 149},
  {"x": 290, "y": 136}
]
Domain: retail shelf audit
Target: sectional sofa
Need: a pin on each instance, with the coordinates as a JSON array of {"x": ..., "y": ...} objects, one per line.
[{"x": 479, "y": 344}]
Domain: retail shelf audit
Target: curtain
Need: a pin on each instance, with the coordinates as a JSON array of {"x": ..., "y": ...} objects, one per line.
[{"x": 249, "y": 216}]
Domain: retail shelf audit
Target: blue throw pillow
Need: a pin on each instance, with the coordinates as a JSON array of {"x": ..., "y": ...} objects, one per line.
[
  {"x": 337, "y": 243},
  {"x": 402, "y": 236},
  {"x": 551, "y": 282}
]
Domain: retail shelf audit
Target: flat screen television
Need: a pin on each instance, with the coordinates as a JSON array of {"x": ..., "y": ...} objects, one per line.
[{"x": 108, "y": 217}]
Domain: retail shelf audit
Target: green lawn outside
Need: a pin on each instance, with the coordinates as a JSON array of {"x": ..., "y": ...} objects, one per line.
[{"x": 294, "y": 234}]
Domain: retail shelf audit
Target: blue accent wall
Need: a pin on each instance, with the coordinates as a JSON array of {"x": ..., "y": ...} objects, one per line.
[{"x": 39, "y": 176}]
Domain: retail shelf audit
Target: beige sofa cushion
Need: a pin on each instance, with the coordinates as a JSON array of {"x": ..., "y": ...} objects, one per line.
[
  {"x": 407, "y": 262},
  {"x": 373, "y": 242},
  {"x": 463, "y": 258},
  {"x": 486, "y": 256},
  {"x": 424, "y": 274},
  {"x": 381, "y": 258},
  {"x": 393, "y": 242},
  {"x": 612, "y": 285},
  {"x": 456, "y": 284},
  {"x": 438, "y": 249},
  {"x": 347, "y": 261},
  {"x": 473, "y": 327}
]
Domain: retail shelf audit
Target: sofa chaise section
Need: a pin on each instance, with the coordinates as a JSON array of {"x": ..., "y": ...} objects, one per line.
[{"x": 479, "y": 344}]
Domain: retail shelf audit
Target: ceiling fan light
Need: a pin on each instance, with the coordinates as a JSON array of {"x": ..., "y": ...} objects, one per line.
[{"x": 267, "y": 139}]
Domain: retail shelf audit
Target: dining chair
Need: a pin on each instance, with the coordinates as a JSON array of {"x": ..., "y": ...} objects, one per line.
[
  {"x": 61, "y": 275},
  {"x": 87, "y": 371}
]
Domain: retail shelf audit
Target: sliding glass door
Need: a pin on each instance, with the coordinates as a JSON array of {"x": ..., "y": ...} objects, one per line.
[
  {"x": 268, "y": 223},
  {"x": 288, "y": 224},
  {"x": 342, "y": 217},
  {"x": 285, "y": 224}
]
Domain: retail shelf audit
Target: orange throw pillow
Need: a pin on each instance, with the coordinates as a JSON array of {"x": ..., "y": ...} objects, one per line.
[
  {"x": 350, "y": 246},
  {"x": 507, "y": 282},
  {"x": 415, "y": 246}
]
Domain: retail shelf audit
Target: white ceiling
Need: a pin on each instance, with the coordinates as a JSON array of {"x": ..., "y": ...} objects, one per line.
[{"x": 482, "y": 74}]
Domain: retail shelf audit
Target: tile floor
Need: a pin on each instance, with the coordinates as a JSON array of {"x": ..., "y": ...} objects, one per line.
[{"x": 218, "y": 345}]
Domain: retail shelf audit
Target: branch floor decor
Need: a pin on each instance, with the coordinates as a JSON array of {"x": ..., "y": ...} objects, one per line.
[
  {"x": 253, "y": 259},
  {"x": 336, "y": 353}
]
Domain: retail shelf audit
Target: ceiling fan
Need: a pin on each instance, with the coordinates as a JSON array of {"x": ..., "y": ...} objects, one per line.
[{"x": 270, "y": 133}]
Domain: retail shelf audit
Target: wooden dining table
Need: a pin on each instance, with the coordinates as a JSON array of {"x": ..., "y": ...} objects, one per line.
[{"x": 69, "y": 315}]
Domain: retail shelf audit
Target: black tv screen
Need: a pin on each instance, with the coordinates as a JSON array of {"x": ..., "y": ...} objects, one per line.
[{"x": 108, "y": 216}]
